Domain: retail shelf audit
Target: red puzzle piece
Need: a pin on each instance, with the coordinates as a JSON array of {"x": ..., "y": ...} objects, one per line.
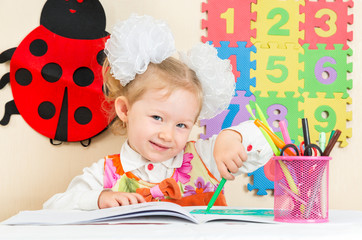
[
  {"x": 323, "y": 26},
  {"x": 228, "y": 20}
]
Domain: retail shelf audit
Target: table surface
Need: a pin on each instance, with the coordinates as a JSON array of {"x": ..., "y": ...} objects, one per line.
[{"x": 343, "y": 224}]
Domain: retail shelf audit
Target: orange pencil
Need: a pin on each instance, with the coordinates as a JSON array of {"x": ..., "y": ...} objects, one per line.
[{"x": 280, "y": 144}]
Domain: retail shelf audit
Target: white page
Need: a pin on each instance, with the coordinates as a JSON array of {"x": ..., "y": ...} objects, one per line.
[
  {"x": 54, "y": 217},
  {"x": 151, "y": 209}
]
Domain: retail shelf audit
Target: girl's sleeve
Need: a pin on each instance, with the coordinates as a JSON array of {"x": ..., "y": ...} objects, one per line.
[
  {"x": 258, "y": 149},
  {"x": 83, "y": 191}
]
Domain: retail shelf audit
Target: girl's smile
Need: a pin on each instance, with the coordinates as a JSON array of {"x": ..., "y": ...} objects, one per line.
[
  {"x": 159, "y": 147},
  {"x": 160, "y": 122}
]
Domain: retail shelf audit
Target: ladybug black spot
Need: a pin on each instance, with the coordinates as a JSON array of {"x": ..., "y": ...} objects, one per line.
[
  {"x": 101, "y": 56},
  {"x": 83, "y": 115},
  {"x": 23, "y": 77},
  {"x": 46, "y": 110},
  {"x": 51, "y": 72},
  {"x": 83, "y": 77},
  {"x": 38, "y": 47}
]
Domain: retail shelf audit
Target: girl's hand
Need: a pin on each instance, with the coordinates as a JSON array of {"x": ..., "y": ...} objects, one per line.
[
  {"x": 229, "y": 153},
  {"x": 108, "y": 199}
]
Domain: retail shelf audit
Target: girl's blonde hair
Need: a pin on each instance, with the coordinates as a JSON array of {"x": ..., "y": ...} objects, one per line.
[{"x": 170, "y": 74}]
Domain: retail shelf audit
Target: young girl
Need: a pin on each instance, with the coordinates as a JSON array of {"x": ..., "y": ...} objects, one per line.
[{"x": 157, "y": 100}]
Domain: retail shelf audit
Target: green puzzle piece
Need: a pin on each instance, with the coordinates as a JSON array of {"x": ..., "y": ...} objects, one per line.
[
  {"x": 326, "y": 71},
  {"x": 281, "y": 108}
]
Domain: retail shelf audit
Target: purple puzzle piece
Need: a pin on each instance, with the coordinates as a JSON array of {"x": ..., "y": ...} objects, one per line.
[
  {"x": 243, "y": 114},
  {"x": 216, "y": 124},
  {"x": 213, "y": 125}
]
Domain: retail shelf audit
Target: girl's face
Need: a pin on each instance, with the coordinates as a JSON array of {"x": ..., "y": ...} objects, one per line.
[{"x": 158, "y": 125}]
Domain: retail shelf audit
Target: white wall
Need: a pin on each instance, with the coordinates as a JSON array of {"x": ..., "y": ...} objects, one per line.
[{"x": 32, "y": 170}]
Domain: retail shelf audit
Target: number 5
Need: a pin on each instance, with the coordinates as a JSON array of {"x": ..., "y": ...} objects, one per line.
[{"x": 272, "y": 66}]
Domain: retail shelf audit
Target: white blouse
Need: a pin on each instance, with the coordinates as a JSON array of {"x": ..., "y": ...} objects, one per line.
[{"x": 84, "y": 190}]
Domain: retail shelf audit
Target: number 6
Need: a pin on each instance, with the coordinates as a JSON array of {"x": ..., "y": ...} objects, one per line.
[{"x": 331, "y": 72}]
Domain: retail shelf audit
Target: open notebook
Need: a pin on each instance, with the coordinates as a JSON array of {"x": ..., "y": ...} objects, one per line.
[{"x": 142, "y": 213}]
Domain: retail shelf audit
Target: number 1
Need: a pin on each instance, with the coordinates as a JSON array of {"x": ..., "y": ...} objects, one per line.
[{"x": 229, "y": 17}]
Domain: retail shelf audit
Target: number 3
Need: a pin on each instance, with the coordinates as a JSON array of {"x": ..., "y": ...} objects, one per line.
[{"x": 331, "y": 22}]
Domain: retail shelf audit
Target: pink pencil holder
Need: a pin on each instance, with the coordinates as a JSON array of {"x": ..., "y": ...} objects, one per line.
[{"x": 301, "y": 189}]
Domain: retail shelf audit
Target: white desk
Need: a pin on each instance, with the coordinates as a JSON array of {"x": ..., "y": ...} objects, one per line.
[{"x": 343, "y": 225}]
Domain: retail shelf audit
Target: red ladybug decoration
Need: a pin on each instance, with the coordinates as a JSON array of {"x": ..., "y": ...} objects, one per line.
[{"x": 56, "y": 72}]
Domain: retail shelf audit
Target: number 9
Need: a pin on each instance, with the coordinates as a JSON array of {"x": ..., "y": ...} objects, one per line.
[{"x": 325, "y": 113}]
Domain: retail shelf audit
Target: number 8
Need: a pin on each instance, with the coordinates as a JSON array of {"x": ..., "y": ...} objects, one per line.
[{"x": 276, "y": 113}]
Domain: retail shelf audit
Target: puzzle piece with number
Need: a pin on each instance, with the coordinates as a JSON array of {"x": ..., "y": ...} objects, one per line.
[
  {"x": 276, "y": 21},
  {"x": 280, "y": 69},
  {"x": 326, "y": 22},
  {"x": 285, "y": 108},
  {"x": 235, "y": 114},
  {"x": 326, "y": 70},
  {"x": 228, "y": 20},
  {"x": 243, "y": 64},
  {"x": 326, "y": 114}
]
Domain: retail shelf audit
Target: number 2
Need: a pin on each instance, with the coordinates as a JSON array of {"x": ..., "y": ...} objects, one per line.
[{"x": 276, "y": 28}]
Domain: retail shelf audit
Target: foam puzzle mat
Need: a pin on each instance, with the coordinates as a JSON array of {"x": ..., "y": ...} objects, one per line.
[{"x": 292, "y": 57}]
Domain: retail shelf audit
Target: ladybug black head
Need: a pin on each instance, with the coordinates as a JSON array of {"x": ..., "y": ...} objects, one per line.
[{"x": 77, "y": 19}]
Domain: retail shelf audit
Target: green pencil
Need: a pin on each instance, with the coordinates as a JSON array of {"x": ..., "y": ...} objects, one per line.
[
  {"x": 216, "y": 194},
  {"x": 331, "y": 135}
]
